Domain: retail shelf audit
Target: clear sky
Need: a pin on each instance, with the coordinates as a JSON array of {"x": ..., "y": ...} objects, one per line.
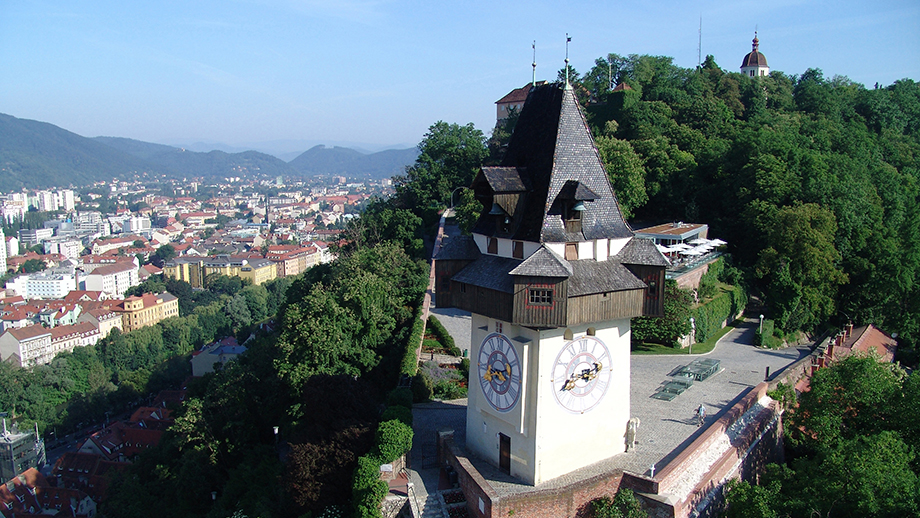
[{"x": 381, "y": 72}]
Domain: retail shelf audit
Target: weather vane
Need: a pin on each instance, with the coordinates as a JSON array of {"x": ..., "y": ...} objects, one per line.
[
  {"x": 533, "y": 81},
  {"x": 568, "y": 39}
]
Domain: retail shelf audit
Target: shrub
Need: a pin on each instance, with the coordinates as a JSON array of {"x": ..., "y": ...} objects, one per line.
[
  {"x": 448, "y": 390},
  {"x": 771, "y": 337},
  {"x": 623, "y": 505},
  {"x": 400, "y": 397},
  {"x": 394, "y": 438},
  {"x": 368, "y": 490},
  {"x": 465, "y": 369},
  {"x": 398, "y": 412},
  {"x": 443, "y": 336},
  {"x": 421, "y": 388}
]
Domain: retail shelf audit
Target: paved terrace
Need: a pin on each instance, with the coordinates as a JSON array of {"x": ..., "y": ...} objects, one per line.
[{"x": 666, "y": 426}]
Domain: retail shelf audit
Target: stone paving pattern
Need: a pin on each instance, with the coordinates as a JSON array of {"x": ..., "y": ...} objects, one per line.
[{"x": 666, "y": 426}]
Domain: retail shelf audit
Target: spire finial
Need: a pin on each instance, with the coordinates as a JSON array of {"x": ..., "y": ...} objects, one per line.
[
  {"x": 756, "y": 42},
  {"x": 533, "y": 81},
  {"x": 568, "y": 39}
]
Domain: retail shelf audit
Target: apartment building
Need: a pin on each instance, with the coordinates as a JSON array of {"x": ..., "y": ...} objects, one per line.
[{"x": 146, "y": 310}]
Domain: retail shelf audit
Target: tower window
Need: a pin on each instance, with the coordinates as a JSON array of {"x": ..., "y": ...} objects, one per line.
[
  {"x": 518, "y": 250},
  {"x": 493, "y": 245},
  {"x": 571, "y": 251},
  {"x": 540, "y": 296}
]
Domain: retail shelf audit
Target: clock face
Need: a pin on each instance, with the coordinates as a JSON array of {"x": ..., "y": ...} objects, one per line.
[
  {"x": 499, "y": 372},
  {"x": 581, "y": 374}
]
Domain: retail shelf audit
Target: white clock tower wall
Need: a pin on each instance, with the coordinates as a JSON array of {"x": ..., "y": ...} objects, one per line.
[
  {"x": 483, "y": 422},
  {"x": 546, "y": 439},
  {"x": 567, "y": 440}
]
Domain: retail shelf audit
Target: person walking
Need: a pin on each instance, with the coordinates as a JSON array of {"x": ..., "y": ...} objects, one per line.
[{"x": 700, "y": 415}]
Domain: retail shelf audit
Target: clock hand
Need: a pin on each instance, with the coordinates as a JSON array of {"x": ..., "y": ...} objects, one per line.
[{"x": 488, "y": 375}]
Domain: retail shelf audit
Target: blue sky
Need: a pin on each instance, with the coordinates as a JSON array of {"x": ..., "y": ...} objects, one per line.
[{"x": 379, "y": 73}]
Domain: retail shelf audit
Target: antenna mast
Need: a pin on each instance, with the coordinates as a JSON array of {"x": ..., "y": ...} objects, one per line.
[
  {"x": 568, "y": 40},
  {"x": 699, "y": 48},
  {"x": 609, "y": 73},
  {"x": 533, "y": 81}
]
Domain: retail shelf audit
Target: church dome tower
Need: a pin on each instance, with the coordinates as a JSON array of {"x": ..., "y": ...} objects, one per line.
[{"x": 755, "y": 63}]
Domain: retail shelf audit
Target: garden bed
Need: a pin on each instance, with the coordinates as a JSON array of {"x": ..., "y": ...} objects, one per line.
[{"x": 454, "y": 503}]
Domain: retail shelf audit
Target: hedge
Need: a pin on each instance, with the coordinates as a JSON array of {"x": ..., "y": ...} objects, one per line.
[
  {"x": 368, "y": 490},
  {"x": 710, "y": 316},
  {"x": 443, "y": 336},
  {"x": 409, "y": 365},
  {"x": 768, "y": 338}
]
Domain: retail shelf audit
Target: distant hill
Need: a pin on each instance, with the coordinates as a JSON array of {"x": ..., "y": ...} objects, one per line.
[
  {"x": 345, "y": 161},
  {"x": 37, "y": 154},
  {"x": 137, "y": 148},
  {"x": 213, "y": 164},
  {"x": 218, "y": 164}
]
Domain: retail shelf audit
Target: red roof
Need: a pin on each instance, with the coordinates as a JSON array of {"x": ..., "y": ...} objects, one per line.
[
  {"x": 82, "y": 295},
  {"x": 866, "y": 340},
  {"x": 112, "y": 269},
  {"x": 518, "y": 95},
  {"x": 28, "y": 332}
]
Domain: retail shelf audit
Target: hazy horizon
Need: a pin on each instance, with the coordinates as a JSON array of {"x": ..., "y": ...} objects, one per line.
[{"x": 379, "y": 73}]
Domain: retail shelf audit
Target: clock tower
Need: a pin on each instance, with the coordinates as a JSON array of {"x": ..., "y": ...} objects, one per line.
[{"x": 552, "y": 275}]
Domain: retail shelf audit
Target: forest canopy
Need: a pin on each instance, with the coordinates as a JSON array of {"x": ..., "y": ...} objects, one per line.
[{"x": 812, "y": 180}]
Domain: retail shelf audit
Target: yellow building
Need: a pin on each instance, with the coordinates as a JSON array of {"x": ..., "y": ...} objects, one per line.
[
  {"x": 195, "y": 270},
  {"x": 146, "y": 310}
]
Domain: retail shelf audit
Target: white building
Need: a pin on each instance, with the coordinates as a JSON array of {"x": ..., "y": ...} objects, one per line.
[
  {"x": 65, "y": 199},
  {"x": 32, "y": 237},
  {"x": 113, "y": 280},
  {"x": 69, "y": 248},
  {"x": 47, "y": 284},
  {"x": 12, "y": 246},
  {"x": 45, "y": 201},
  {"x": 138, "y": 225},
  {"x": 26, "y": 346},
  {"x": 2, "y": 253}
]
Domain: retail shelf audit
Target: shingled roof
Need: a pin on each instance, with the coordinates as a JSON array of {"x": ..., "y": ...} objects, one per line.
[
  {"x": 461, "y": 248},
  {"x": 552, "y": 149},
  {"x": 544, "y": 263},
  {"x": 642, "y": 250},
  {"x": 490, "y": 272}
]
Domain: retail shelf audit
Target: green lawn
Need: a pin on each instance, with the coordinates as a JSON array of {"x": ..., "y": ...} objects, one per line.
[{"x": 698, "y": 348}]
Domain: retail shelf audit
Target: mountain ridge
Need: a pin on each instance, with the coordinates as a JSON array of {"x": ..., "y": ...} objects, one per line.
[{"x": 35, "y": 154}]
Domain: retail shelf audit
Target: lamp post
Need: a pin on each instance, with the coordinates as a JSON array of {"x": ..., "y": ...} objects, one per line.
[
  {"x": 761, "y": 324},
  {"x": 692, "y": 333}
]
